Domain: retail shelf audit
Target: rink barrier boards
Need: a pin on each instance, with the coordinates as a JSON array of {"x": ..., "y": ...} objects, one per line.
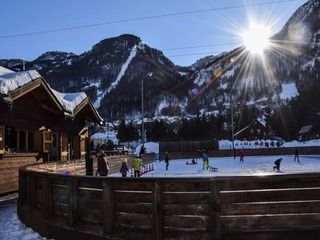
[{"x": 252, "y": 207}]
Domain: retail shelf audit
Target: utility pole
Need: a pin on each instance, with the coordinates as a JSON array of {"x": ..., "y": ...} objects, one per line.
[
  {"x": 232, "y": 125},
  {"x": 142, "y": 112}
]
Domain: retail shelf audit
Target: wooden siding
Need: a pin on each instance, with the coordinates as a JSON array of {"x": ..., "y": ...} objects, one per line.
[
  {"x": 268, "y": 207},
  {"x": 9, "y": 170}
]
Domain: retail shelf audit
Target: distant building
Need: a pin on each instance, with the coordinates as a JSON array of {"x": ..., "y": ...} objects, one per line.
[
  {"x": 306, "y": 133},
  {"x": 254, "y": 131}
]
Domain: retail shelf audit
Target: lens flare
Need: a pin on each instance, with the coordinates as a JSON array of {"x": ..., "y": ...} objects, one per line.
[{"x": 256, "y": 39}]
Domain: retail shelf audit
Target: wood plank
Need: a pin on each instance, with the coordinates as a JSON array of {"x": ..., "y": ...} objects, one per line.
[
  {"x": 133, "y": 196},
  {"x": 186, "y": 209},
  {"x": 184, "y": 186},
  {"x": 271, "y": 208},
  {"x": 269, "y": 182},
  {"x": 128, "y": 184},
  {"x": 137, "y": 207},
  {"x": 215, "y": 210},
  {"x": 290, "y": 194},
  {"x": 187, "y": 221},
  {"x": 276, "y": 222},
  {"x": 134, "y": 221},
  {"x": 109, "y": 213},
  {"x": 271, "y": 235},
  {"x": 186, "y": 197},
  {"x": 157, "y": 212}
]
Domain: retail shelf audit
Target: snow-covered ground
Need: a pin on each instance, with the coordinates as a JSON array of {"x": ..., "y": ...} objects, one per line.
[
  {"x": 228, "y": 166},
  {"x": 11, "y": 228}
]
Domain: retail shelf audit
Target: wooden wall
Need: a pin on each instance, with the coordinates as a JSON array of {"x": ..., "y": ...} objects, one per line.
[
  {"x": 9, "y": 170},
  {"x": 75, "y": 207}
]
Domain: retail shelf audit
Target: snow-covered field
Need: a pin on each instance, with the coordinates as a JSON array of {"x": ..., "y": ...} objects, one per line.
[{"x": 228, "y": 166}]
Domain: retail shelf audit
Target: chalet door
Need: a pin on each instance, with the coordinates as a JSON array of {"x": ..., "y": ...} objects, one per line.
[
  {"x": 54, "y": 148},
  {"x": 64, "y": 146}
]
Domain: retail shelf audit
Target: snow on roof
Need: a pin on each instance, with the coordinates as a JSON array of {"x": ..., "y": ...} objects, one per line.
[
  {"x": 11, "y": 81},
  {"x": 305, "y": 129},
  {"x": 4, "y": 70},
  {"x": 69, "y": 101}
]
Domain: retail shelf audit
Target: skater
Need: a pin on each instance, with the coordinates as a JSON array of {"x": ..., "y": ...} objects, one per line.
[
  {"x": 103, "y": 165},
  {"x": 241, "y": 155},
  {"x": 277, "y": 164},
  {"x": 296, "y": 155},
  {"x": 167, "y": 160},
  {"x": 137, "y": 163},
  {"x": 193, "y": 161},
  {"x": 205, "y": 163},
  {"x": 124, "y": 168}
]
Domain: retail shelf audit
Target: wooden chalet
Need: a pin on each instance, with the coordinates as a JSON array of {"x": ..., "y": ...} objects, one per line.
[
  {"x": 306, "y": 133},
  {"x": 38, "y": 122},
  {"x": 253, "y": 131}
]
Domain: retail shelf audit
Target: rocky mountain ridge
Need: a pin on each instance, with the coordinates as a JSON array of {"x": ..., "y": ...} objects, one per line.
[{"x": 112, "y": 72}]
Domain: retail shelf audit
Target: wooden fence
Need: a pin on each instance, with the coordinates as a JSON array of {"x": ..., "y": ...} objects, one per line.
[
  {"x": 86, "y": 207},
  {"x": 9, "y": 170}
]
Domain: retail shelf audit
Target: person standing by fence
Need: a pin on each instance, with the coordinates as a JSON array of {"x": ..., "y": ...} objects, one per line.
[
  {"x": 137, "y": 163},
  {"x": 296, "y": 155},
  {"x": 241, "y": 155},
  {"x": 124, "y": 168},
  {"x": 205, "y": 163},
  {"x": 167, "y": 160},
  {"x": 103, "y": 165}
]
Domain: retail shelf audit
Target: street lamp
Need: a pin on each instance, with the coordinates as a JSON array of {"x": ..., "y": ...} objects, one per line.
[{"x": 142, "y": 110}]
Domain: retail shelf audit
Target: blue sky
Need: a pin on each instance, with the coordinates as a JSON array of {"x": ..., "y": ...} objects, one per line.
[{"x": 179, "y": 28}]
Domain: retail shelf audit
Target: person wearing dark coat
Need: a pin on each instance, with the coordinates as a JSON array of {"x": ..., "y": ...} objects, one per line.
[
  {"x": 103, "y": 165},
  {"x": 277, "y": 164},
  {"x": 296, "y": 155},
  {"x": 167, "y": 160}
]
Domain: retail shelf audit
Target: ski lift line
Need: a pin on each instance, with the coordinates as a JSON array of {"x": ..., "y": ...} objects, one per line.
[
  {"x": 190, "y": 54},
  {"x": 141, "y": 19},
  {"x": 200, "y": 46}
]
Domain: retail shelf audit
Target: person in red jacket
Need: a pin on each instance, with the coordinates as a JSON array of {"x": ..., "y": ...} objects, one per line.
[{"x": 241, "y": 155}]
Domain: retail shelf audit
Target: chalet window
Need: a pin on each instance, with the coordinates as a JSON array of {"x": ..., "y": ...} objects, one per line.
[
  {"x": 47, "y": 141},
  {"x": 18, "y": 140},
  {"x": 258, "y": 130},
  {"x": 252, "y": 130},
  {"x": 10, "y": 139},
  {"x": 22, "y": 141}
]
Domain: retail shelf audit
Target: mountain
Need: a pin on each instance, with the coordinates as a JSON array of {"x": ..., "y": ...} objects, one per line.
[{"x": 111, "y": 74}]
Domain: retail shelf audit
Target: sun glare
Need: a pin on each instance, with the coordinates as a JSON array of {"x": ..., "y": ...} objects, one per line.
[{"x": 256, "y": 39}]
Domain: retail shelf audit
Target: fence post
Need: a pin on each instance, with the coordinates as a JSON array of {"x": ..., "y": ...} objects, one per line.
[
  {"x": 157, "y": 212},
  {"x": 215, "y": 209},
  {"x": 47, "y": 197},
  {"x": 72, "y": 201},
  {"x": 31, "y": 192},
  {"x": 109, "y": 217}
]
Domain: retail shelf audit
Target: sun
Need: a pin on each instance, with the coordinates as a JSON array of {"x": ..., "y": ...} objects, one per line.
[{"x": 256, "y": 39}]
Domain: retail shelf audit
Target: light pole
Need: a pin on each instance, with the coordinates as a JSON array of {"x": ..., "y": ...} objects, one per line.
[{"x": 142, "y": 110}]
